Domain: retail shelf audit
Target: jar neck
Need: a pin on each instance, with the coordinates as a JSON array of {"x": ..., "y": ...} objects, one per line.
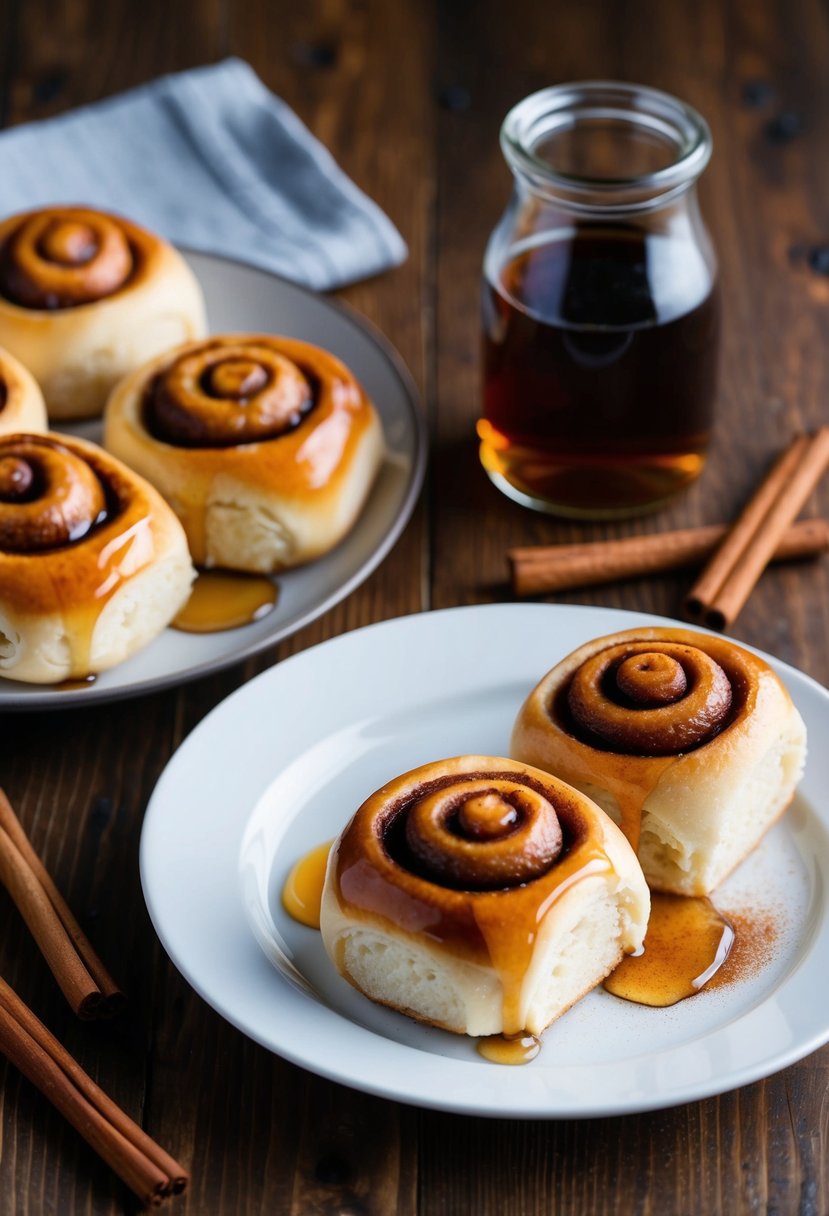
[{"x": 600, "y": 149}]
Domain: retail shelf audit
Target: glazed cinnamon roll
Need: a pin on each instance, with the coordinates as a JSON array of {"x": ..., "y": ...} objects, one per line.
[
  {"x": 482, "y": 896},
  {"x": 265, "y": 447},
  {"x": 689, "y": 742},
  {"x": 21, "y": 402},
  {"x": 93, "y": 563},
  {"x": 86, "y": 297}
]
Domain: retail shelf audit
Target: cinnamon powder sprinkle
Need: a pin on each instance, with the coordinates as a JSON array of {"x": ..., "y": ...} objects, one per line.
[{"x": 756, "y": 933}]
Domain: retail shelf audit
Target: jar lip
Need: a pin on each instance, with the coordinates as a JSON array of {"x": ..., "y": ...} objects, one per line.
[{"x": 638, "y": 104}]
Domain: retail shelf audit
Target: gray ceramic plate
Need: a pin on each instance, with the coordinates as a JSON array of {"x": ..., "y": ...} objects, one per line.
[{"x": 241, "y": 298}]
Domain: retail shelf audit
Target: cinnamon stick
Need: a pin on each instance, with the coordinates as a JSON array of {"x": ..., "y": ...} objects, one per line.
[
  {"x": 82, "y": 977},
  {"x": 540, "y": 569},
  {"x": 720, "y": 593},
  {"x": 145, "y": 1167}
]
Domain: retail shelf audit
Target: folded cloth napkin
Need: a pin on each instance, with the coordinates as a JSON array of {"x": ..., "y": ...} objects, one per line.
[{"x": 213, "y": 161}]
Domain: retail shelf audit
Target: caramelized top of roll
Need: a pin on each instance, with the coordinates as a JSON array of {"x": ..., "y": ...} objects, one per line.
[
  {"x": 651, "y": 698},
  {"x": 74, "y": 522},
  {"x": 471, "y": 852},
  {"x": 224, "y": 392},
  {"x": 620, "y": 710},
  {"x": 57, "y": 258},
  {"x": 279, "y": 411}
]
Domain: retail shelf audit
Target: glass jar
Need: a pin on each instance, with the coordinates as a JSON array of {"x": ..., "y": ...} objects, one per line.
[{"x": 600, "y": 303}]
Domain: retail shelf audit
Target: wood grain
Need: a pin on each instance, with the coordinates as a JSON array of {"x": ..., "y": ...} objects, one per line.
[{"x": 409, "y": 97}]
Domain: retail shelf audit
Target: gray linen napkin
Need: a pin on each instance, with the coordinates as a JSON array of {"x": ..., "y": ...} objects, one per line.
[{"x": 211, "y": 160}]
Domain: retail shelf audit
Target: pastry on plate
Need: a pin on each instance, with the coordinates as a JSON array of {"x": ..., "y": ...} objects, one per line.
[
  {"x": 22, "y": 407},
  {"x": 481, "y": 895},
  {"x": 265, "y": 447},
  {"x": 85, "y": 297},
  {"x": 93, "y": 563},
  {"x": 691, "y": 743}
]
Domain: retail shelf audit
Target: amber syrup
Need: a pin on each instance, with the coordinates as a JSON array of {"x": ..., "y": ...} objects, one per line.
[{"x": 599, "y": 373}]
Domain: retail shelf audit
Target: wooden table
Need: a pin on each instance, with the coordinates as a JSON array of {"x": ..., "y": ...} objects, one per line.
[{"x": 409, "y": 97}]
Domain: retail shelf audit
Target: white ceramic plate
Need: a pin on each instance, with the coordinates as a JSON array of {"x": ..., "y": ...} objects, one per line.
[
  {"x": 242, "y": 298},
  {"x": 281, "y": 765}
]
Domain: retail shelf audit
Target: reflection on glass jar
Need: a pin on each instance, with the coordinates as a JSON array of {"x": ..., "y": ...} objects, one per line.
[{"x": 600, "y": 304}]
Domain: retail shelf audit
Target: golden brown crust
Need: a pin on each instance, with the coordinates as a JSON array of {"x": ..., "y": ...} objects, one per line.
[
  {"x": 524, "y": 898},
  {"x": 86, "y": 297},
  {"x": 651, "y": 698},
  {"x": 222, "y": 394},
  {"x": 548, "y": 734},
  {"x": 378, "y": 877},
  {"x": 22, "y": 407},
  {"x": 309, "y": 460},
  {"x": 46, "y": 265},
  {"x": 67, "y": 573}
]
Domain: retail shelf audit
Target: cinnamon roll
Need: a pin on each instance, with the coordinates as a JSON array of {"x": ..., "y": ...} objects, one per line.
[
  {"x": 482, "y": 896},
  {"x": 689, "y": 742},
  {"x": 86, "y": 297},
  {"x": 21, "y": 402},
  {"x": 93, "y": 563},
  {"x": 265, "y": 447}
]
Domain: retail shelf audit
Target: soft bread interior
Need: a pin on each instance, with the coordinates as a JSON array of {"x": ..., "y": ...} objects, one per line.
[
  {"x": 417, "y": 980},
  {"x": 691, "y": 838},
  {"x": 239, "y": 521},
  {"x": 579, "y": 943}
]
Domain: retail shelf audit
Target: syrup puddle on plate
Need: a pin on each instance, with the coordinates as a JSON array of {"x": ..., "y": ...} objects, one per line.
[
  {"x": 74, "y": 685},
  {"x": 302, "y": 893},
  {"x": 687, "y": 942},
  {"x": 223, "y": 600}
]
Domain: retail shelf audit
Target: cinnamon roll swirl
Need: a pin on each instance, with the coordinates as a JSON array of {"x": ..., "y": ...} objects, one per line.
[
  {"x": 86, "y": 297},
  {"x": 689, "y": 742},
  {"x": 93, "y": 563},
  {"x": 265, "y": 447},
  {"x": 22, "y": 407},
  {"x": 482, "y": 896}
]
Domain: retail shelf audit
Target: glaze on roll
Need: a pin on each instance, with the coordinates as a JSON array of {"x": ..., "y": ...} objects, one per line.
[
  {"x": 22, "y": 407},
  {"x": 265, "y": 447},
  {"x": 482, "y": 896},
  {"x": 86, "y": 297},
  {"x": 689, "y": 742},
  {"x": 93, "y": 563}
]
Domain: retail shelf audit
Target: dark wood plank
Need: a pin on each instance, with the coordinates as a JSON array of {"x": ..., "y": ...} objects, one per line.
[
  {"x": 68, "y": 54},
  {"x": 9, "y": 13}
]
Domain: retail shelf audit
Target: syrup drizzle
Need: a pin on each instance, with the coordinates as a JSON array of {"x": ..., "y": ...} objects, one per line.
[{"x": 509, "y": 1049}]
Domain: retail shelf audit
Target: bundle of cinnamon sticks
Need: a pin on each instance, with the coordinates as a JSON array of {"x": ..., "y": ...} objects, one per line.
[
  {"x": 736, "y": 555},
  {"x": 24, "y": 1040}
]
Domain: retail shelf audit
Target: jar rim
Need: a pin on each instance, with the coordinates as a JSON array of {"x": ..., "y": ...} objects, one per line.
[{"x": 560, "y": 106}]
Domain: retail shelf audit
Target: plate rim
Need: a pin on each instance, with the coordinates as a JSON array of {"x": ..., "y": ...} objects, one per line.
[
  {"x": 52, "y": 698},
  {"x": 371, "y": 1084}
]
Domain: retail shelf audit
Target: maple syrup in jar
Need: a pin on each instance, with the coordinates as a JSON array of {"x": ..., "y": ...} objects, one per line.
[{"x": 600, "y": 304}]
